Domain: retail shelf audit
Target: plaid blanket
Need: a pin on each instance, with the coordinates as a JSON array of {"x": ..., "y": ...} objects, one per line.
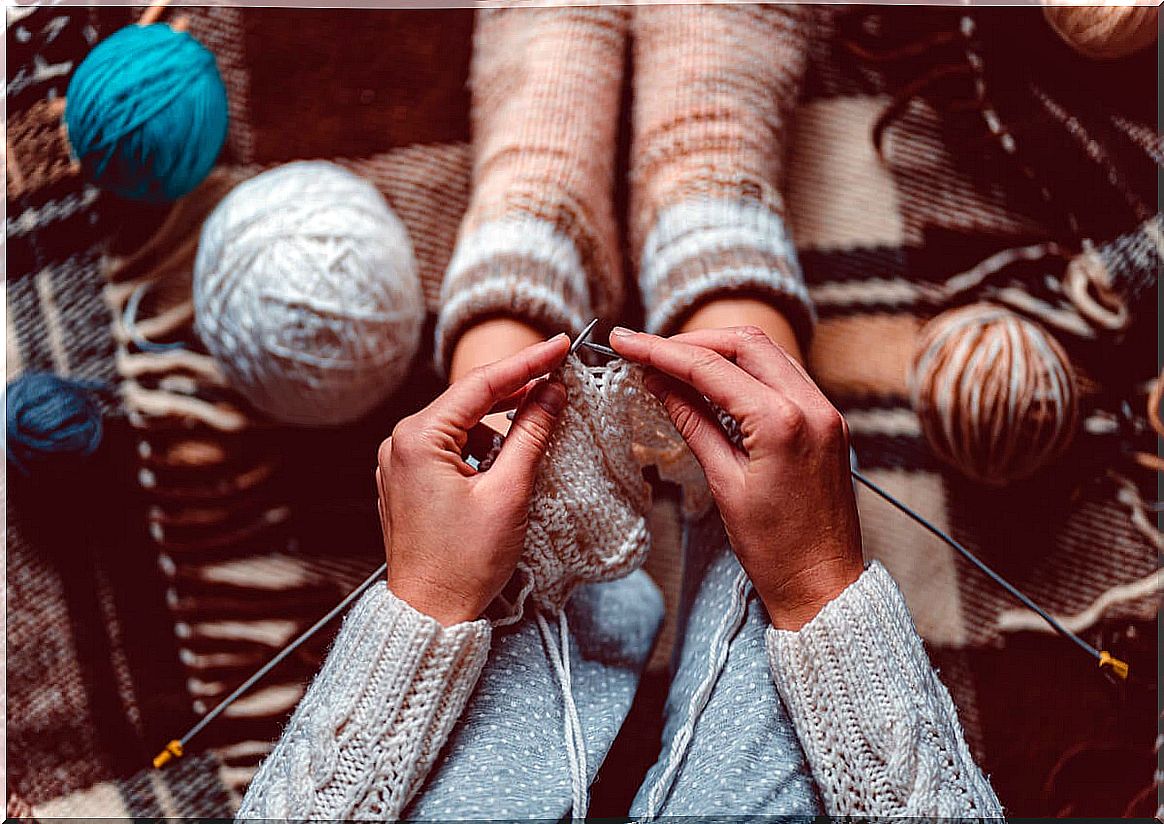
[{"x": 219, "y": 552}]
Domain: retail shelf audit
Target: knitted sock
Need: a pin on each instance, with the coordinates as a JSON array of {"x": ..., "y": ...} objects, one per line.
[
  {"x": 714, "y": 86},
  {"x": 538, "y": 241}
]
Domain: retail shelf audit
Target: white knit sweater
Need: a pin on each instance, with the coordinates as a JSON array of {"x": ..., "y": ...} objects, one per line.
[{"x": 878, "y": 728}]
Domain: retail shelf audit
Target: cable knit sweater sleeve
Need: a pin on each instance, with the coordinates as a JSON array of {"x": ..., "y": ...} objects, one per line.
[
  {"x": 879, "y": 729},
  {"x": 365, "y": 735}
]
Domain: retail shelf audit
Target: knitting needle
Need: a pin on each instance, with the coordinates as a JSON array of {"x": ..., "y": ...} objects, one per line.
[
  {"x": 578, "y": 342},
  {"x": 1105, "y": 658},
  {"x": 582, "y": 336},
  {"x": 1119, "y": 668},
  {"x": 177, "y": 747},
  {"x": 600, "y": 349}
]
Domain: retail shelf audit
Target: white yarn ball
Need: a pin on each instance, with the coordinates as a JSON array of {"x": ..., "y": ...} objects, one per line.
[{"x": 307, "y": 295}]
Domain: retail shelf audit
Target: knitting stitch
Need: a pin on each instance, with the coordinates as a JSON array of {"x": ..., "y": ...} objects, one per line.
[
  {"x": 370, "y": 727},
  {"x": 588, "y": 513},
  {"x": 878, "y": 727},
  {"x": 538, "y": 240},
  {"x": 714, "y": 88}
]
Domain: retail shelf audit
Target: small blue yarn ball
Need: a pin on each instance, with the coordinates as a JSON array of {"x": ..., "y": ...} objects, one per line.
[
  {"x": 50, "y": 418},
  {"x": 147, "y": 113}
]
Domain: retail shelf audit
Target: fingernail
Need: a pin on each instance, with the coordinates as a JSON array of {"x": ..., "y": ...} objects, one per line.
[
  {"x": 551, "y": 397},
  {"x": 620, "y": 332}
]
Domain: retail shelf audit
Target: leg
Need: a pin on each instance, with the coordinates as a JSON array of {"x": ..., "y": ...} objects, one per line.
[
  {"x": 715, "y": 87},
  {"x": 741, "y": 755},
  {"x": 507, "y": 757},
  {"x": 538, "y": 251}
]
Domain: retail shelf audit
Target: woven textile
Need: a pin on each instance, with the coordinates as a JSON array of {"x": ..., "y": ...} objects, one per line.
[{"x": 236, "y": 553}]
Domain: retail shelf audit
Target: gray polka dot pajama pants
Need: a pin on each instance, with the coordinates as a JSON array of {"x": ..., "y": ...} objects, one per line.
[{"x": 729, "y": 748}]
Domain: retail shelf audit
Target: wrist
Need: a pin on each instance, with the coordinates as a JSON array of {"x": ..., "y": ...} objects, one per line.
[
  {"x": 794, "y": 602},
  {"x": 448, "y": 608}
]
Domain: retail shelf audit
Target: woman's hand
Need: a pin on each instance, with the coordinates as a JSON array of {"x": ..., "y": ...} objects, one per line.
[
  {"x": 786, "y": 499},
  {"x": 453, "y": 537}
]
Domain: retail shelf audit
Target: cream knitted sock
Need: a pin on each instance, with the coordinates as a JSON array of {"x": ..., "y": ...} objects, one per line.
[{"x": 714, "y": 86}]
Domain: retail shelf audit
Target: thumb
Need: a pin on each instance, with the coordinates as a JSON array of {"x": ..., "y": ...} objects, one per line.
[{"x": 528, "y": 438}]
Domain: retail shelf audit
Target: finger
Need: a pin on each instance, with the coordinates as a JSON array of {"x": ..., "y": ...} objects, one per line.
[
  {"x": 754, "y": 352},
  {"x": 529, "y": 437},
  {"x": 382, "y": 472},
  {"x": 385, "y": 524},
  {"x": 468, "y": 400},
  {"x": 512, "y": 401},
  {"x": 709, "y": 372},
  {"x": 699, "y": 428}
]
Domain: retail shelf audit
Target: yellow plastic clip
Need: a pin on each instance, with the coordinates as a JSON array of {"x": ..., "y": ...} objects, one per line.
[
  {"x": 1119, "y": 668},
  {"x": 173, "y": 750}
]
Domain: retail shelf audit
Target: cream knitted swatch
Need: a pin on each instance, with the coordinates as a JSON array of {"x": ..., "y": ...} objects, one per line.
[{"x": 588, "y": 514}]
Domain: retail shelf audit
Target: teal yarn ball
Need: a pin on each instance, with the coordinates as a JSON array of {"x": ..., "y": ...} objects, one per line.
[
  {"x": 146, "y": 113},
  {"x": 50, "y": 418}
]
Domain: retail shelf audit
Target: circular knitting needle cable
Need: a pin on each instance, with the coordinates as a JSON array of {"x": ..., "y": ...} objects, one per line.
[{"x": 176, "y": 748}]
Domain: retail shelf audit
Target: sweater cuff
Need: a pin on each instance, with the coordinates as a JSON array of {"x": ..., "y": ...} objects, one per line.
[
  {"x": 878, "y": 728},
  {"x": 372, "y": 723},
  {"x": 523, "y": 268},
  {"x": 700, "y": 249}
]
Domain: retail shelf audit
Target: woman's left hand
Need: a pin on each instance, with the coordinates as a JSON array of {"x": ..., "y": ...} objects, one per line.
[{"x": 452, "y": 536}]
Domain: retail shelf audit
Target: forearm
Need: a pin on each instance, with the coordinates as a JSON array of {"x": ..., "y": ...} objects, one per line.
[
  {"x": 368, "y": 730},
  {"x": 538, "y": 242},
  {"x": 878, "y": 728}
]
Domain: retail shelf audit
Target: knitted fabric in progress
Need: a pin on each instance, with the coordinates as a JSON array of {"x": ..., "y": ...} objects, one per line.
[{"x": 588, "y": 513}]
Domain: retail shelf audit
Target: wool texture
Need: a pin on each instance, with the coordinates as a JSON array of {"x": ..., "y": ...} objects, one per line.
[
  {"x": 878, "y": 727},
  {"x": 713, "y": 87},
  {"x": 588, "y": 514},
  {"x": 995, "y": 393},
  {"x": 306, "y": 293},
  {"x": 366, "y": 733},
  {"x": 147, "y": 113},
  {"x": 538, "y": 240}
]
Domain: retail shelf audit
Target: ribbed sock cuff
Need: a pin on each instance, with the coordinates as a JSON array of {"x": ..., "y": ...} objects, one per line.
[
  {"x": 522, "y": 268},
  {"x": 700, "y": 249}
]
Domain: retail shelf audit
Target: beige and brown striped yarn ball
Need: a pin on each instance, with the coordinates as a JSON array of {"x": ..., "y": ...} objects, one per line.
[
  {"x": 995, "y": 393},
  {"x": 1104, "y": 31}
]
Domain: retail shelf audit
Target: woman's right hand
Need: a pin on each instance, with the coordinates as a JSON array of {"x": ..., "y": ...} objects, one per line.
[{"x": 786, "y": 498}]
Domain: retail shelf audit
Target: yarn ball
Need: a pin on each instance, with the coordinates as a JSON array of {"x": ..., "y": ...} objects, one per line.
[
  {"x": 1104, "y": 32},
  {"x": 306, "y": 293},
  {"x": 49, "y": 418},
  {"x": 146, "y": 113},
  {"x": 995, "y": 393}
]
